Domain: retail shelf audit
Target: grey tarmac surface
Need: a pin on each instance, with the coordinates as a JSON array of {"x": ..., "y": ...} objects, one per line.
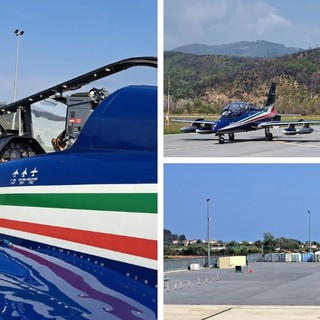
[
  {"x": 271, "y": 291},
  {"x": 246, "y": 144},
  {"x": 187, "y": 312}
]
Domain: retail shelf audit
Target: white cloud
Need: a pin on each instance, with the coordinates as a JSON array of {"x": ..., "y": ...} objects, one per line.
[{"x": 219, "y": 22}]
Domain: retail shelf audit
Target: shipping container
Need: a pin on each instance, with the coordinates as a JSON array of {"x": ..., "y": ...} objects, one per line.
[
  {"x": 194, "y": 266},
  {"x": 296, "y": 257},
  {"x": 307, "y": 257},
  {"x": 232, "y": 262}
]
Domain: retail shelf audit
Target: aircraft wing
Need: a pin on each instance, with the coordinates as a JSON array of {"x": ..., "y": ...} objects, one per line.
[
  {"x": 198, "y": 121},
  {"x": 269, "y": 124},
  {"x": 198, "y": 125}
]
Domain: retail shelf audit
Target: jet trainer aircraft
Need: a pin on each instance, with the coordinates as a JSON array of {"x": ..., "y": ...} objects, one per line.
[
  {"x": 78, "y": 227},
  {"x": 242, "y": 117}
]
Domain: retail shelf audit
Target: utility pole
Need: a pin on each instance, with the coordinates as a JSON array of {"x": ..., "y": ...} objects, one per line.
[
  {"x": 208, "y": 231},
  {"x": 168, "y": 103},
  {"x": 309, "y": 231}
]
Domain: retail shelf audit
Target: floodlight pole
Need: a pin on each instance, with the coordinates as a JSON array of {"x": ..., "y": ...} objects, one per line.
[
  {"x": 309, "y": 231},
  {"x": 208, "y": 231},
  {"x": 18, "y": 33}
]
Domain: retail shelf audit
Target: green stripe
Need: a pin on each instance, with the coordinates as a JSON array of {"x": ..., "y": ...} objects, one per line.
[{"x": 126, "y": 202}]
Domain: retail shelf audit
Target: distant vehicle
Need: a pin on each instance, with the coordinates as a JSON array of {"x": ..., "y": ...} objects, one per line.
[
  {"x": 242, "y": 117},
  {"x": 78, "y": 227}
]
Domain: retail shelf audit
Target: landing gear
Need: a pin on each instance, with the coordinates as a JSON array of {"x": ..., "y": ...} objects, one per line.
[
  {"x": 268, "y": 134},
  {"x": 231, "y": 136},
  {"x": 221, "y": 139},
  {"x": 270, "y": 137}
]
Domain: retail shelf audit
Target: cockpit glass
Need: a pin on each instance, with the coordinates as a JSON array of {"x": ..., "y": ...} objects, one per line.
[
  {"x": 48, "y": 119},
  {"x": 7, "y": 121},
  {"x": 235, "y": 109}
]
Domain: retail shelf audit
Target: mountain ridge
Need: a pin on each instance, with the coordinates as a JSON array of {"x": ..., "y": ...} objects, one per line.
[{"x": 258, "y": 48}]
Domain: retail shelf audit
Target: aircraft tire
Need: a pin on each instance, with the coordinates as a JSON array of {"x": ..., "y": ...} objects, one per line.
[
  {"x": 221, "y": 140},
  {"x": 269, "y": 136},
  {"x": 231, "y": 136}
]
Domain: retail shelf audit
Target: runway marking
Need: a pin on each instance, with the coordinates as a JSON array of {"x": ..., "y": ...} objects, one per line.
[{"x": 216, "y": 314}]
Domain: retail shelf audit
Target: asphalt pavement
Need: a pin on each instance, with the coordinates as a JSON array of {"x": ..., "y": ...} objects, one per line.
[
  {"x": 262, "y": 291},
  {"x": 246, "y": 144}
]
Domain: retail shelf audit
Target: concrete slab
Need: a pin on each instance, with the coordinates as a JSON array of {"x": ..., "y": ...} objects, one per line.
[{"x": 206, "y": 312}]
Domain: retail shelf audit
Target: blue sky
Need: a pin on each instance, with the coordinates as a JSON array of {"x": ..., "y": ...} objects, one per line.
[
  {"x": 247, "y": 200},
  {"x": 294, "y": 23},
  {"x": 66, "y": 38}
]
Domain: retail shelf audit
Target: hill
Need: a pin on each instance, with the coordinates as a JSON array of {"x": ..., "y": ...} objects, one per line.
[
  {"x": 259, "y": 48},
  {"x": 211, "y": 81}
]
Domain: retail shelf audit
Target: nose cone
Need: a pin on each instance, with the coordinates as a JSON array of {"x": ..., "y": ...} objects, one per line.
[{"x": 217, "y": 126}]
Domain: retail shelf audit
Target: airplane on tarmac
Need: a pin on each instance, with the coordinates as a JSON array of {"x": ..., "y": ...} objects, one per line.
[
  {"x": 78, "y": 227},
  {"x": 242, "y": 117}
]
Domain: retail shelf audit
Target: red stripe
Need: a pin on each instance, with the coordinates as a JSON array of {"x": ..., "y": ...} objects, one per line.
[{"x": 134, "y": 246}]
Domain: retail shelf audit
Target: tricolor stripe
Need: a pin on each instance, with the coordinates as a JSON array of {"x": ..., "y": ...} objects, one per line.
[
  {"x": 132, "y": 224},
  {"x": 128, "y": 202},
  {"x": 119, "y": 224},
  {"x": 129, "y": 245}
]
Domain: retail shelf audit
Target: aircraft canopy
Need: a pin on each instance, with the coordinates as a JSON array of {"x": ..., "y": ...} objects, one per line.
[{"x": 235, "y": 109}]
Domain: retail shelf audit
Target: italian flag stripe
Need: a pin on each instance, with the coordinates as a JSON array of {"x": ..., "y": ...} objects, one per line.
[
  {"x": 126, "y": 202},
  {"x": 145, "y": 248}
]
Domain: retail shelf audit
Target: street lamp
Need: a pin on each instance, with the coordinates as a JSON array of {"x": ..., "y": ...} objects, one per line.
[
  {"x": 309, "y": 231},
  {"x": 18, "y": 33},
  {"x": 208, "y": 231}
]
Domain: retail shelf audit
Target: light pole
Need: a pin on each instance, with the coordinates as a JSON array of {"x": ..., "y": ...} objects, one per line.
[
  {"x": 309, "y": 231},
  {"x": 18, "y": 33},
  {"x": 208, "y": 231}
]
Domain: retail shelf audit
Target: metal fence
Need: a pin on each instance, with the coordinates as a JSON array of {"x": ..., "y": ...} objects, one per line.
[{"x": 184, "y": 264}]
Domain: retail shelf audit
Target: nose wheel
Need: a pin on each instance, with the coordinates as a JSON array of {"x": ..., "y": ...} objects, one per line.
[{"x": 221, "y": 139}]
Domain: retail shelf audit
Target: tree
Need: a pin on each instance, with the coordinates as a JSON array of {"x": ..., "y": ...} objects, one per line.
[{"x": 269, "y": 243}]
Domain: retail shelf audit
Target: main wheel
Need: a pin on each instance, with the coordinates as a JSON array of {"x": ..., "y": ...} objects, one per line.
[
  {"x": 221, "y": 140},
  {"x": 269, "y": 136},
  {"x": 231, "y": 136}
]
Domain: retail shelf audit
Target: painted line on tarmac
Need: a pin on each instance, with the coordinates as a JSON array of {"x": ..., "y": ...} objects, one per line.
[{"x": 216, "y": 314}]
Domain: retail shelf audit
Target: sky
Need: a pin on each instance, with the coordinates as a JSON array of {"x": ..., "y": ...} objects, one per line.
[
  {"x": 294, "y": 23},
  {"x": 66, "y": 38},
  {"x": 246, "y": 200}
]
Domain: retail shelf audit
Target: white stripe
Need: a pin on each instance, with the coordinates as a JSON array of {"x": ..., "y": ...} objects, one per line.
[
  {"x": 139, "y": 261},
  {"x": 131, "y": 224},
  {"x": 83, "y": 188}
]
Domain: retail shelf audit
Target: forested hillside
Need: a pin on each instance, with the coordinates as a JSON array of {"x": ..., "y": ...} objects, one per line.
[{"x": 203, "y": 84}]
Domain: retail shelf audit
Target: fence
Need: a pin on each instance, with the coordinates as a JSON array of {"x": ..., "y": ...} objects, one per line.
[{"x": 184, "y": 263}]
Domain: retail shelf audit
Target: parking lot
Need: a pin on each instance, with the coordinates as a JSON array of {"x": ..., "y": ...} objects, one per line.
[{"x": 261, "y": 286}]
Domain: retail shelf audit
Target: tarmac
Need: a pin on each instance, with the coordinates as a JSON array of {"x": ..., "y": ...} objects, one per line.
[
  {"x": 246, "y": 144},
  {"x": 187, "y": 312},
  {"x": 261, "y": 291}
]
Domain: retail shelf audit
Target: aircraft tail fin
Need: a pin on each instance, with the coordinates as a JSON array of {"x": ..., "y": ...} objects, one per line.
[{"x": 272, "y": 95}]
